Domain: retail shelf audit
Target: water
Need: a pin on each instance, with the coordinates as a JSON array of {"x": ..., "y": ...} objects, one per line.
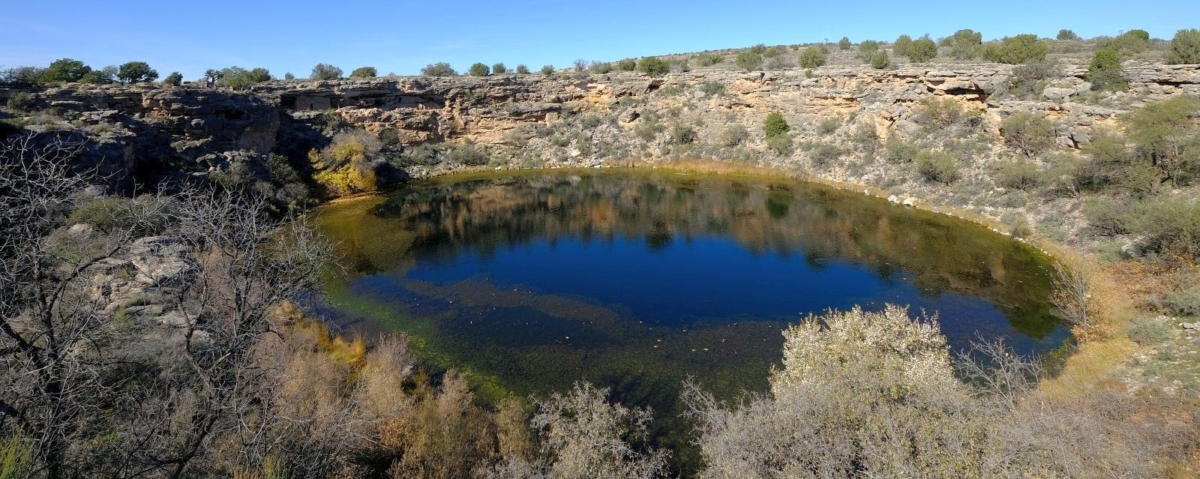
[{"x": 635, "y": 281}]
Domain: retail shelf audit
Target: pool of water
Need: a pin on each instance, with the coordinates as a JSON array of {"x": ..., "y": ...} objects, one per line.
[{"x": 635, "y": 281}]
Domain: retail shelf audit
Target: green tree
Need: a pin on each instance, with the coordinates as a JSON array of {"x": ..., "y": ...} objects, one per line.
[
  {"x": 922, "y": 50},
  {"x": 289, "y": 77},
  {"x": 1105, "y": 71},
  {"x": 880, "y": 60},
  {"x": 499, "y": 69},
  {"x": 1066, "y": 34},
  {"x": 1028, "y": 132},
  {"x": 1129, "y": 43},
  {"x": 813, "y": 57},
  {"x": 1185, "y": 47},
  {"x": 654, "y": 66},
  {"x": 1165, "y": 135},
  {"x": 522, "y": 69},
  {"x": 65, "y": 70},
  {"x": 102, "y": 76},
  {"x": 964, "y": 44},
  {"x": 1024, "y": 48},
  {"x": 439, "y": 69},
  {"x": 136, "y": 72},
  {"x": 212, "y": 76},
  {"x": 547, "y": 70},
  {"x": 748, "y": 61},
  {"x": 844, "y": 43},
  {"x": 867, "y": 50},
  {"x": 174, "y": 79},
  {"x": 364, "y": 72},
  {"x": 478, "y": 70},
  {"x": 325, "y": 71},
  {"x": 902, "y": 44},
  {"x": 627, "y": 65},
  {"x": 775, "y": 125}
]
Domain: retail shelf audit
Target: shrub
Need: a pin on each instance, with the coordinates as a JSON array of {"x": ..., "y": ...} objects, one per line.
[
  {"x": 759, "y": 49},
  {"x": 1105, "y": 71},
  {"x": 64, "y": 70},
  {"x": 901, "y": 45},
  {"x": 1185, "y": 47},
  {"x": 813, "y": 57},
  {"x": 1016, "y": 50},
  {"x": 1149, "y": 332},
  {"x": 478, "y": 70},
  {"x": 774, "y": 51},
  {"x": 174, "y": 79},
  {"x": 1019, "y": 174},
  {"x": 364, "y": 72},
  {"x": 136, "y": 72},
  {"x": 1127, "y": 44},
  {"x": 1165, "y": 135},
  {"x": 824, "y": 154},
  {"x": 775, "y": 125},
  {"x": 880, "y": 60},
  {"x": 468, "y": 155},
  {"x": 654, "y": 66},
  {"x": 547, "y": 70},
  {"x": 1066, "y": 34},
  {"x": 1180, "y": 302},
  {"x": 829, "y": 125},
  {"x": 103, "y": 76},
  {"x": 627, "y": 65},
  {"x": 347, "y": 164},
  {"x": 682, "y": 134},
  {"x": 1029, "y": 133},
  {"x": 440, "y": 69},
  {"x": 709, "y": 59},
  {"x": 896, "y": 150},
  {"x": 1168, "y": 224},
  {"x": 711, "y": 87},
  {"x": 749, "y": 61},
  {"x": 964, "y": 44},
  {"x": 21, "y": 76},
  {"x": 522, "y": 69},
  {"x": 289, "y": 77},
  {"x": 238, "y": 77},
  {"x": 580, "y": 65},
  {"x": 940, "y": 112},
  {"x": 780, "y": 144},
  {"x": 114, "y": 213},
  {"x": 648, "y": 129},
  {"x": 867, "y": 50},
  {"x": 589, "y": 437},
  {"x": 1029, "y": 80},
  {"x": 734, "y": 135},
  {"x": 937, "y": 166},
  {"x": 325, "y": 71},
  {"x": 844, "y": 43},
  {"x": 922, "y": 50},
  {"x": 500, "y": 69}
]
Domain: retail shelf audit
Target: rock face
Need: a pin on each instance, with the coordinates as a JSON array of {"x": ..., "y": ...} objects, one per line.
[{"x": 143, "y": 131}]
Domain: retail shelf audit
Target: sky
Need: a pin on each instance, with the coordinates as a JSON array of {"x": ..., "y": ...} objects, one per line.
[{"x": 401, "y": 37}]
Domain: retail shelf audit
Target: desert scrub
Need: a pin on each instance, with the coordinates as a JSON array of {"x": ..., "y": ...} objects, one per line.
[
  {"x": 734, "y": 135},
  {"x": 780, "y": 144},
  {"x": 900, "y": 151},
  {"x": 937, "y": 166},
  {"x": 1029, "y": 133}
]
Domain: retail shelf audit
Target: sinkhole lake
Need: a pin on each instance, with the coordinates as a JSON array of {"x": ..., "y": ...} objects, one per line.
[{"x": 635, "y": 280}]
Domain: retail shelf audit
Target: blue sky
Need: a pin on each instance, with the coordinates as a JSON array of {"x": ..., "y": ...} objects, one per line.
[{"x": 403, "y": 36}]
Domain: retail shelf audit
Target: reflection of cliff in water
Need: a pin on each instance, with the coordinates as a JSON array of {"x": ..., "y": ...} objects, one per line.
[{"x": 941, "y": 254}]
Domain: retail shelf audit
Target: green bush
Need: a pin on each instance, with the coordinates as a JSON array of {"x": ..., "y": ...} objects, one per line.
[
  {"x": 136, "y": 72},
  {"x": 1185, "y": 47},
  {"x": 774, "y": 51},
  {"x": 364, "y": 72},
  {"x": 1028, "y": 81},
  {"x": 627, "y": 65},
  {"x": 940, "y": 112},
  {"x": 111, "y": 214},
  {"x": 1127, "y": 44},
  {"x": 1166, "y": 136},
  {"x": 1168, "y": 225},
  {"x": 775, "y": 125},
  {"x": 1181, "y": 302},
  {"x": 478, "y": 70},
  {"x": 867, "y": 50},
  {"x": 1016, "y": 50},
  {"x": 468, "y": 155},
  {"x": 1066, "y": 34},
  {"x": 64, "y": 70},
  {"x": 707, "y": 59},
  {"x": 103, "y": 76},
  {"x": 896, "y": 150},
  {"x": 937, "y": 166},
  {"x": 844, "y": 43},
  {"x": 522, "y": 69},
  {"x": 683, "y": 134},
  {"x": 547, "y": 70},
  {"x": 500, "y": 69},
  {"x": 880, "y": 60},
  {"x": 325, "y": 71},
  {"x": 599, "y": 68},
  {"x": 289, "y": 77},
  {"x": 780, "y": 144},
  {"x": 654, "y": 66},
  {"x": 813, "y": 57},
  {"x": 734, "y": 135},
  {"x": 1020, "y": 174},
  {"x": 749, "y": 61},
  {"x": 440, "y": 69},
  {"x": 922, "y": 50},
  {"x": 648, "y": 129},
  {"x": 964, "y": 44},
  {"x": 174, "y": 79},
  {"x": 759, "y": 49},
  {"x": 1029, "y": 133},
  {"x": 1105, "y": 71},
  {"x": 901, "y": 45},
  {"x": 710, "y": 88}
]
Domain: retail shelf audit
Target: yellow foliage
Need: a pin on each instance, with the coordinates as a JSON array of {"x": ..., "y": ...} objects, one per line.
[{"x": 344, "y": 167}]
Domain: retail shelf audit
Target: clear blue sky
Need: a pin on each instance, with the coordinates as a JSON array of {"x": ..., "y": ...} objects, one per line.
[{"x": 403, "y": 36}]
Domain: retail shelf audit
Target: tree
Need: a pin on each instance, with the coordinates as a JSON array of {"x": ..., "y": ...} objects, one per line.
[
  {"x": 479, "y": 70},
  {"x": 174, "y": 79},
  {"x": 775, "y": 125},
  {"x": 867, "y": 49},
  {"x": 439, "y": 69},
  {"x": 522, "y": 69},
  {"x": 65, "y": 70},
  {"x": 627, "y": 65},
  {"x": 21, "y": 76},
  {"x": 1185, "y": 47},
  {"x": 325, "y": 71},
  {"x": 1165, "y": 136},
  {"x": 581, "y": 65},
  {"x": 499, "y": 69},
  {"x": 1028, "y": 132},
  {"x": 289, "y": 77},
  {"x": 547, "y": 70},
  {"x": 1066, "y": 34},
  {"x": 748, "y": 61},
  {"x": 136, "y": 72},
  {"x": 654, "y": 66},
  {"x": 922, "y": 50},
  {"x": 211, "y": 76},
  {"x": 1105, "y": 71},
  {"x": 237, "y": 77},
  {"x": 813, "y": 57},
  {"x": 901, "y": 45},
  {"x": 964, "y": 44},
  {"x": 844, "y": 43},
  {"x": 102, "y": 76},
  {"x": 880, "y": 60},
  {"x": 347, "y": 165},
  {"x": 1024, "y": 48},
  {"x": 364, "y": 72}
]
